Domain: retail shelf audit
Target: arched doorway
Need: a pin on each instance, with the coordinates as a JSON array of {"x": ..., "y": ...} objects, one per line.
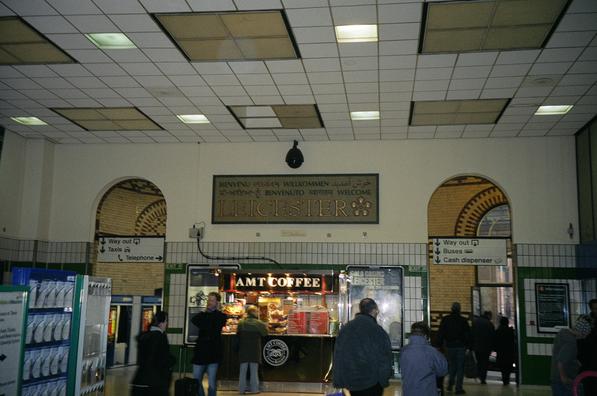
[
  {"x": 470, "y": 206},
  {"x": 133, "y": 207}
]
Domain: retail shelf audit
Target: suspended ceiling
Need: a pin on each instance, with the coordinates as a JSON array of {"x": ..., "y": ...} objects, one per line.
[{"x": 159, "y": 81}]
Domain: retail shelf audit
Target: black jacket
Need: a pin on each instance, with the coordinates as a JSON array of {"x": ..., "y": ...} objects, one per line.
[
  {"x": 155, "y": 362},
  {"x": 362, "y": 355},
  {"x": 454, "y": 332},
  {"x": 209, "y": 341},
  {"x": 505, "y": 346},
  {"x": 483, "y": 334}
]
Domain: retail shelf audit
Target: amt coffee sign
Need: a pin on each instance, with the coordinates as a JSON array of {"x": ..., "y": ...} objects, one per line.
[{"x": 276, "y": 352}]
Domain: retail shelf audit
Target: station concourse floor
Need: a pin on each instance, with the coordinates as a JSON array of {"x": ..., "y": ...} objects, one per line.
[{"x": 118, "y": 379}]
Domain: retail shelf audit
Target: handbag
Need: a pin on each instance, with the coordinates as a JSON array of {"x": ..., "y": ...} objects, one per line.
[{"x": 470, "y": 365}]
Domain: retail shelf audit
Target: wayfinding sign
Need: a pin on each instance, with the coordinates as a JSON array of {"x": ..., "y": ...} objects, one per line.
[
  {"x": 130, "y": 250},
  {"x": 469, "y": 251}
]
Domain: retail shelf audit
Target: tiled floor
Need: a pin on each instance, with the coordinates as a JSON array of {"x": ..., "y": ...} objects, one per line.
[{"x": 117, "y": 382}]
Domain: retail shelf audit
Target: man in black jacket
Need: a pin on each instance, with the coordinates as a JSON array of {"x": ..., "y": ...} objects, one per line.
[
  {"x": 208, "y": 350},
  {"x": 454, "y": 335},
  {"x": 153, "y": 375},
  {"x": 363, "y": 354},
  {"x": 483, "y": 338}
]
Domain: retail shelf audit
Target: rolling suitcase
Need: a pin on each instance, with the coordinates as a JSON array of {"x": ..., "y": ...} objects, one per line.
[{"x": 184, "y": 386}]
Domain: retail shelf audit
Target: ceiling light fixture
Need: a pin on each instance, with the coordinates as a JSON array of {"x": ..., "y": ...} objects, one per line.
[
  {"x": 193, "y": 118},
  {"x": 28, "y": 121},
  {"x": 110, "y": 40},
  {"x": 364, "y": 115},
  {"x": 356, "y": 33},
  {"x": 553, "y": 110}
]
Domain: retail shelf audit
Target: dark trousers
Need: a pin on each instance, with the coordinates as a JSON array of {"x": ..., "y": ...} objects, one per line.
[
  {"x": 482, "y": 363},
  {"x": 455, "y": 367},
  {"x": 375, "y": 390}
]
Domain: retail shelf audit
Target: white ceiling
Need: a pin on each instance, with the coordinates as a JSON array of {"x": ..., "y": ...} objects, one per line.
[{"x": 339, "y": 78}]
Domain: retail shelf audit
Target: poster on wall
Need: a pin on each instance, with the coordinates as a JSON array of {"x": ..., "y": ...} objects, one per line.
[
  {"x": 384, "y": 285},
  {"x": 553, "y": 307},
  {"x": 13, "y": 315},
  {"x": 201, "y": 281}
]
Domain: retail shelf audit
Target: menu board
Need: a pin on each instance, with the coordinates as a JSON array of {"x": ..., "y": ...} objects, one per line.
[
  {"x": 318, "y": 322},
  {"x": 297, "y": 322},
  {"x": 553, "y": 307},
  {"x": 13, "y": 313},
  {"x": 384, "y": 285}
]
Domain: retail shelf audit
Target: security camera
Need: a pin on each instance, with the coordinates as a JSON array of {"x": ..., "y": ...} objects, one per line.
[{"x": 294, "y": 157}]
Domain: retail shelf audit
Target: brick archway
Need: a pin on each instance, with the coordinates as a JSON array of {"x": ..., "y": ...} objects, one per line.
[{"x": 474, "y": 210}]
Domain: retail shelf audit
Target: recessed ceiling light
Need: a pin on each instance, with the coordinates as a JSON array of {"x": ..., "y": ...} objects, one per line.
[
  {"x": 193, "y": 118},
  {"x": 364, "y": 115},
  {"x": 110, "y": 40},
  {"x": 553, "y": 110},
  {"x": 28, "y": 120},
  {"x": 356, "y": 33}
]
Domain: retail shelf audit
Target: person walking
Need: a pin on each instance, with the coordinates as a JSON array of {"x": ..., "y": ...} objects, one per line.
[
  {"x": 505, "y": 348},
  {"x": 587, "y": 355},
  {"x": 454, "y": 335},
  {"x": 564, "y": 357},
  {"x": 483, "y": 334},
  {"x": 420, "y": 363},
  {"x": 363, "y": 357},
  {"x": 249, "y": 333},
  {"x": 208, "y": 349},
  {"x": 154, "y": 372}
]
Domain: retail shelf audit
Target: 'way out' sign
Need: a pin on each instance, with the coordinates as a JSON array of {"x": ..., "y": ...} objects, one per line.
[
  {"x": 130, "y": 250},
  {"x": 469, "y": 251}
]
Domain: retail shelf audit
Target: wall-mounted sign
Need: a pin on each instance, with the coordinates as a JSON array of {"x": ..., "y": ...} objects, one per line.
[
  {"x": 553, "y": 307},
  {"x": 130, "y": 250},
  {"x": 469, "y": 251},
  {"x": 292, "y": 199},
  {"x": 277, "y": 282},
  {"x": 13, "y": 316}
]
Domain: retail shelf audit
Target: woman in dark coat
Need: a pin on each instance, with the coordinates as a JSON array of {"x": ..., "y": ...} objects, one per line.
[
  {"x": 208, "y": 350},
  {"x": 153, "y": 375},
  {"x": 250, "y": 331},
  {"x": 505, "y": 347}
]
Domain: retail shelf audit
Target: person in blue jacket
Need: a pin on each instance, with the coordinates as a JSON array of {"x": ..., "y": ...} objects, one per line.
[{"x": 421, "y": 363}]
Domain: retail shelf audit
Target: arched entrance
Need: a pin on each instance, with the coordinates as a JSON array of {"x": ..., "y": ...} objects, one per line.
[
  {"x": 133, "y": 207},
  {"x": 470, "y": 206}
]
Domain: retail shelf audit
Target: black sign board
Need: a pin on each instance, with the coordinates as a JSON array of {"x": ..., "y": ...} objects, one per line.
[
  {"x": 553, "y": 307},
  {"x": 277, "y": 282}
]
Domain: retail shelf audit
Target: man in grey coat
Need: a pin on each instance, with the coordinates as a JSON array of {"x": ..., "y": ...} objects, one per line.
[
  {"x": 363, "y": 354},
  {"x": 250, "y": 331},
  {"x": 421, "y": 364}
]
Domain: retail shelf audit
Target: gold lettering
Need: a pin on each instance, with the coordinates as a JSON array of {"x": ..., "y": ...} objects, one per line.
[
  {"x": 259, "y": 211},
  {"x": 275, "y": 208},
  {"x": 296, "y": 208},
  {"x": 328, "y": 207},
  {"x": 340, "y": 208}
]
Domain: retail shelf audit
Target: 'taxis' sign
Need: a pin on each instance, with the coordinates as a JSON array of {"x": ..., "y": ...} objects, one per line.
[{"x": 130, "y": 250}]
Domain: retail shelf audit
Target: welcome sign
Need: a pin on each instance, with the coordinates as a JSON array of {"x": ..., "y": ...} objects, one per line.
[{"x": 295, "y": 199}]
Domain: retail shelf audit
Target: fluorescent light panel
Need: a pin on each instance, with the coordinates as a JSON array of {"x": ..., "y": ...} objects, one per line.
[
  {"x": 488, "y": 25},
  {"x": 110, "y": 40},
  {"x": 193, "y": 118},
  {"x": 28, "y": 121},
  {"x": 364, "y": 115},
  {"x": 21, "y": 44},
  {"x": 356, "y": 33},
  {"x": 553, "y": 110},
  {"x": 254, "y": 35}
]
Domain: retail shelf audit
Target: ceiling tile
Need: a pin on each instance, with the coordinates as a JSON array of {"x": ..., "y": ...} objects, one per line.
[
  {"x": 309, "y": 17},
  {"x": 399, "y": 31},
  {"x": 51, "y": 24},
  {"x": 120, "y": 6},
  {"x": 27, "y": 8},
  {"x": 135, "y": 23},
  {"x": 74, "y": 7},
  {"x": 356, "y": 15},
  {"x": 325, "y": 78},
  {"x": 92, "y": 23},
  {"x": 212, "y": 5},
  {"x": 318, "y": 50},
  {"x": 443, "y": 60},
  {"x": 165, "y": 5},
  {"x": 402, "y": 47},
  {"x": 477, "y": 59},
  {"x": 472, "y": 72},
  {"x": 323, "y": 34},
  {"x": 399, "y": 13},
  {"x": 250, "y": 67}
]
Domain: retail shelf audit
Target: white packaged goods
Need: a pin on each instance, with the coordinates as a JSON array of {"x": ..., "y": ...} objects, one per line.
[
  {"x": 38, "y": 332},
  {"x": 45, "y": 363},
  {"x": 66, "y": 328},
  {"x": 60, "y": 293},
  {"x": 35, "y": 364},
  {"x": 49, "y": 323},
  {"x": 33, "y": 285}
]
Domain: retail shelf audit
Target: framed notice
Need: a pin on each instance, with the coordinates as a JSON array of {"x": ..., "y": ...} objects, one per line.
[
  {"x": 384, "y": 285},
  {"x": 553, "y": 307},
  {"x": 296, "y": 199},
  {"x": 13, "y": 319}
]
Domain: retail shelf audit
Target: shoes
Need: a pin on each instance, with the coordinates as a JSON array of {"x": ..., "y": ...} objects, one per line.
[
  {"x": 483, "y": 382},
  {"x": 460, "y": 392}
]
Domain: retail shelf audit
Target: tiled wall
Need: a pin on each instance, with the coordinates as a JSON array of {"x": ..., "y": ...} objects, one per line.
[{"x": 546, "y": 256}]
